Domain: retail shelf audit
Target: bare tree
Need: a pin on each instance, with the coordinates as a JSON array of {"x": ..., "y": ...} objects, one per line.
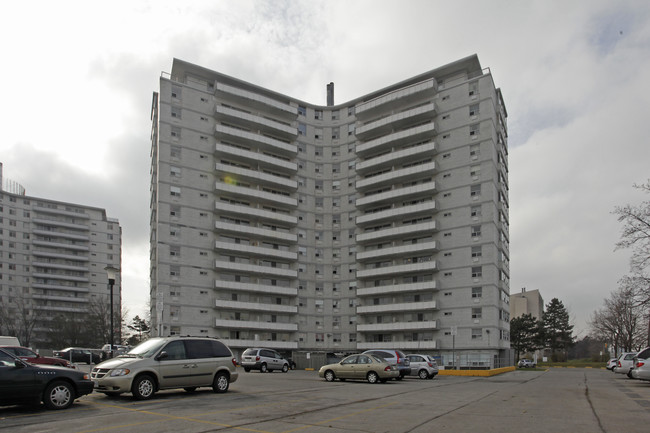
[
  {"x": 17, "y": 318},
  {"x": 620, "y": 321},
  {"x": 636, "y": 235},
  {"x": 636, "y": 230}
]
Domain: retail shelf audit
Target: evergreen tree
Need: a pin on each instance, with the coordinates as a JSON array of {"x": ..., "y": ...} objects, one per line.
[
  {"x": 557, "y": 330},
  {"x": 524, "y": 334}
]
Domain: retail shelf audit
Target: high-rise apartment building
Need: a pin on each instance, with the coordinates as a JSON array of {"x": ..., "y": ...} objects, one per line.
[
  {"x": 52, "y": 260},
  {"x": 379, "y": 222}
]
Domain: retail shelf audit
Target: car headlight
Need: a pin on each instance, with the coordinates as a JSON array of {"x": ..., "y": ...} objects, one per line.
[{"x": 120, "y": 372}]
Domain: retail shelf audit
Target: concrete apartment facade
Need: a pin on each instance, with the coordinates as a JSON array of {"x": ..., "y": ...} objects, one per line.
[
  {"x": 381, "y": 222},
  {"x": 52, "y": 260},
  {"x": 527, "y": 302}
]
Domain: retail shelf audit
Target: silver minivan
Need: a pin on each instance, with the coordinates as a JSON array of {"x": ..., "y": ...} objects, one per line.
[
  {"x": 264, "y": 360},
  {"x": 167, "y": 362}
]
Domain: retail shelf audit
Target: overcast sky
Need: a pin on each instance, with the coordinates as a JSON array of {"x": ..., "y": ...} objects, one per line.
[{"x": 79, "y": 78}]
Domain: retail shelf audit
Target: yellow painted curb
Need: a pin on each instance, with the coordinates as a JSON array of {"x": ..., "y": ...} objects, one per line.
[{"x": 484, "y": 373}]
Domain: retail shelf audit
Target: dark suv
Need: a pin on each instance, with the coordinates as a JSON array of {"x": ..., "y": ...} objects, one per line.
[
  {"x": 396, "y": 357},
  {"x": 263, "y": 360}
]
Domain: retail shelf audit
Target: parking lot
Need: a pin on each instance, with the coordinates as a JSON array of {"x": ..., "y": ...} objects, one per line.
[{"x": 558, "y": 400}]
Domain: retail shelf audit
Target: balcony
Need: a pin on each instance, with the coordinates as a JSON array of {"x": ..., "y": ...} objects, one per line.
[
  {"x": 260, "y": 141},
  {"x": 395, "y": 99},
  {"x": 256, "y": 194},
  {"x": 258, "y": 158},
  {"x": 397, "y": 213},
  {"x": 55, "y": 223},
  {"x": 255, "y": 269},
  {"x": 403, "y": 156},
  {"x": 397, "y": 232},
  {"x": 46, "y": 276},
  {"x": 409, "y": 346},
  {"x": 61, "y": 288},
  {"x": 402, "y": 250},
  {"x": 262, "y": 124},
  {"x": 401, "y": 194},
  {"x": 54, "y": 234},
  {"x": 255, "y": 288},
  {"x": 255, "y": 306},
  {"x": 254, "y": 213},
  {"x": 256, "y": 176},
  {"x": 398, "y": 288},
  {"x": 59, "y": 256},
  {"x": 271, "y": 344},
  {"x": 61, "y": 245},
  {"x": 256, "y": 251},
  {"x": 398, "y": 326},
  {"x": 397, "y": 176},
  {"x": 395, "y": 121},
  {"x": 410, "y": 268},
  {"x": 396, "y": 139},
  {"x": 47, "y": 210},
  {"x": 278, "y": 108},
  {"x": 256, "y": 231},
  {"x": 394, "y": 308},
  {"x": 249, "y": 324},
  {"x": 60, "y": 266},
  {"x": 61, "y": 299}
]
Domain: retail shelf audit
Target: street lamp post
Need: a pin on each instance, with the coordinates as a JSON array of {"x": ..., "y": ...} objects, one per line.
[{"x": 111, "y": 272}]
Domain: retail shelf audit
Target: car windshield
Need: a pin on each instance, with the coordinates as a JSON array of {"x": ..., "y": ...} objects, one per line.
[
  {"x": 250, "y": 352},
  {"x": 148, "y": 348}
]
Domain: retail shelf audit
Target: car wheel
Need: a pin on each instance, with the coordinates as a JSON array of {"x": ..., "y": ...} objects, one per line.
[
  {"x": 263, "y": 368},
  {"x": 372, "y": 377},
  {"x": 221, "y": 382},
  {"x": 143, "y": 387},
  {"x": 400, "y": 377},
  {"x": 423, "y": 374},
  {"x": 285, "y": 368},
  {"x": 330, "y": 376},
  {"x": 58, "y": 395},
  {"x": 190, "y": 388},
  {"x": 629, "y": 374},
  {"x": 247, "y": 370}
]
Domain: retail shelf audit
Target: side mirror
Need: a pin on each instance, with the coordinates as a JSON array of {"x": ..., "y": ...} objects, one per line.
[
  {"x": 161, "y": 355},
  {"x": 20, "y": 363}
]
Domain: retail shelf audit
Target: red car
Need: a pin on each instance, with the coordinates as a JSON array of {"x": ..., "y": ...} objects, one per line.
[{"x": 34, "y": 358}]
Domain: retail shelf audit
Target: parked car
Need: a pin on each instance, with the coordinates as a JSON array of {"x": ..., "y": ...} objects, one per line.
[
  {"x": 360, "y": 367},
  {"x": 395, "y": 357},
  {"x": 641, "y": 368},
  {"x": 25, "y": 383},
  {"x": 263, "y": 360},
  {"x": 526, "y": 363},
  {"x": 423, "y": 366},
  {"x": 30, "y": 356},
  {"x": 611, "y": 364},
  {"x": 167, "y": 363},
  {"x": 77, "y": 354},
  {"x": 117, "y": 350},
  {"x": 625, "y": 363}
]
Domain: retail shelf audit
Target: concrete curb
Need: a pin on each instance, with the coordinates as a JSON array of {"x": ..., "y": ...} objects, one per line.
[{"x": 484, "y": 373}]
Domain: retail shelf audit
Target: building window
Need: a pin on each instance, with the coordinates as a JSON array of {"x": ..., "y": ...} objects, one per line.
[
  {"x": 475, "y": 190},
  {"x": 175, "y": 191},
  {"x": 476, "y": 252},
  {"x": 476, "y": 231},
  {"x": 176, "y": 112},
  {"x": 302, "y": 110},
  {"x": 473, "y": 110},
  {"x": 477, "y": 313},
  {"x": 474, "y": 129},
  {"x": 477, "y": 333},
  {"x": 477, "y": 292},
  {"x": 318, "y": 114},
  {"x": 302, "y": 129},
  {"x": 473, "y": 88},
  {"x": 336, "y": 132},
  {"x": 477, "y": 271},
  {"x": 476, "y": 211}
]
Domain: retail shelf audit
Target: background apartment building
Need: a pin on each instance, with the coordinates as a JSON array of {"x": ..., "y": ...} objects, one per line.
[
  {"x": 52, "y": 260},
  {"x": 380, "y": 222}
]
